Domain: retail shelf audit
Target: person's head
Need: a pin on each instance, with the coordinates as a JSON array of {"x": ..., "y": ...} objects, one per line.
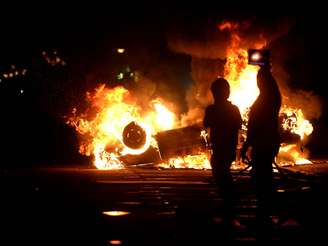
[
  {"x": 267, "y": 85},
  {"x": 265, "y": 80},
  {"x": 220, "y": 89}
]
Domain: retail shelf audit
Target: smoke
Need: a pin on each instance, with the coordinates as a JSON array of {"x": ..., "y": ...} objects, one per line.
[
  {"x": 147, "y": 89},
  {"x": 208, "y": 46},
  {"x": 297, "y": 98},
  {"x": 212, "y": 41},
  {"x": 293, "y": 77},
  {"x": 203, "y": 71}
]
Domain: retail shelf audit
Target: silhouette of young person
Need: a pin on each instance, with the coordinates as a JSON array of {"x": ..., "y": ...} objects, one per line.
[
  {"x": 224, "y": 121},
  {"x": 264, "y": 141}
]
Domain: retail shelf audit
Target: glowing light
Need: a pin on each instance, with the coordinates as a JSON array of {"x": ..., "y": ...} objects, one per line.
[
  {"x": 111, "y": 110},
  {"x": 242, "y": 78},
  {"x": 115, "y": 242},
  {"x": 256, "y": 56},
  {"x": 120, "y": 50},
  {"x": 200, "y": 161},
  {"x": 120, "y": 76},
  {"x": 116, "y": 213},
  {"x": 295, "y": 122},
  {"x": 302, "y": 161},
  {"x": 164, "y": 118},
  {"x": 291, "y": 155}
]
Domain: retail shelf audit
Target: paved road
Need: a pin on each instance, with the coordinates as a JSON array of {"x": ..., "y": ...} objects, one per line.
[{"x": 61, "y": 205}]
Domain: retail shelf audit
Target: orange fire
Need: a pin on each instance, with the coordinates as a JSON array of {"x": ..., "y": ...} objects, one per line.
[
  {"x": 241, "y": 77},
  {"x": 296, "y": 123},
  {"x": 112, "y": 110},
  {"x": 200, "y": 161},
  {"x": 244, "y": 91},
  {"x": 290, "y": 155}
]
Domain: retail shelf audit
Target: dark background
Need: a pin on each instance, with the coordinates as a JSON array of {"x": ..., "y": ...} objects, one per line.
[{"x": 33, "y": 130}]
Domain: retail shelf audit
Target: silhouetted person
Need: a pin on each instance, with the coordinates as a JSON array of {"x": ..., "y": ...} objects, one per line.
[
  {"x": 224, "y": 121},
  {"x": 263, "y": 138}
]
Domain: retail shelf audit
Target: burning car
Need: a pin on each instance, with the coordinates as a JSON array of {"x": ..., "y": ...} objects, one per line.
[
  {"x": 180, "y": 147},
  {"x": 121, "y": 127},
  {"x": 118, "y": 132}
]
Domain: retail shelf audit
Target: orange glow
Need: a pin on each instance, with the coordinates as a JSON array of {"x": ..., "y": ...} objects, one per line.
[
  {"x": 242, "y": 80},
  {"x": 164, "y": 117},
  {"x": 256, "y": 56},
  {"x": 227, "y": 25},
  {"x": 116, "y": 213},
  {"x": 115, "y": 242},
  {"x": 296, "y": 122},
  {"x": 244, "y": 91},
  {"x": 120, "y": 50},
  {"x": 109, "y": 111},
  {"x": 240, "y": 75},
  {"x": 200, "y": 161},
  {"x": 113, "y": 109},
  {"x": 290, "y": 155}
]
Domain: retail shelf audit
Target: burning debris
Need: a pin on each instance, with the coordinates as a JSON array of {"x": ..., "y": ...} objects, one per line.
[
  {"x": 119, "y": 130},
  {"x": 186, "y": 147},
  {"x": 181, "y": 142},
  {"x": 116, "y": 126}
]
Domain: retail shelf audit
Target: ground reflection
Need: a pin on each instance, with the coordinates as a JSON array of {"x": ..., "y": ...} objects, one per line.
[{"x": 116, "y": 213}]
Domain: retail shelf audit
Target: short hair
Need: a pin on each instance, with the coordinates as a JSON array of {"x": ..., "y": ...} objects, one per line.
[{"x": 220, "y": 88}]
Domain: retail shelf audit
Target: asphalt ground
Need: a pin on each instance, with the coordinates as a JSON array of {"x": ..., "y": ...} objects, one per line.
[{"x": 71, "y": 206}]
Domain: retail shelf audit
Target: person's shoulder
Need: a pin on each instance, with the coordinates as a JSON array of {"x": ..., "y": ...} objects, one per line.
[
  {"x": 236, "y": 111},
  {"x": 234, "y": 107},
  {"x": 210, "y": 107}
]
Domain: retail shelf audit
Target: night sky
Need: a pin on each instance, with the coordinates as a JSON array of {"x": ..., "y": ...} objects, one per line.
[{"x": 86, "y": 41}]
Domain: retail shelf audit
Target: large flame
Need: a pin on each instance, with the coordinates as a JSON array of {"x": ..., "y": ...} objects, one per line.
[
  {"x": 295, "y": 122},
  {"x": 244, "y": 91},
  {"x": 164, "y": 117},
  {"x": 112, "y": 110},
  {"x": 242, "y": 79}
]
